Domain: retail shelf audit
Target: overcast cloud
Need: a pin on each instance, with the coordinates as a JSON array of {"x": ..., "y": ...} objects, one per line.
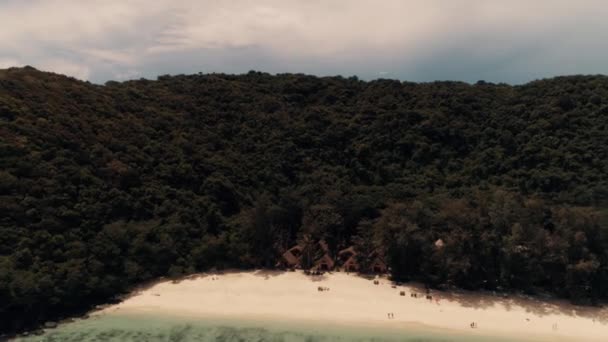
[{"x": 501, "y": 41}]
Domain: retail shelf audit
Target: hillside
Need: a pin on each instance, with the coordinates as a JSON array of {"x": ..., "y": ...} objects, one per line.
[{"x": 105, "y": 187}]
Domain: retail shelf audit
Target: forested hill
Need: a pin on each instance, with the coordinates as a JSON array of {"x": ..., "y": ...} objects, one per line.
[{"x": 104, "y": 187}]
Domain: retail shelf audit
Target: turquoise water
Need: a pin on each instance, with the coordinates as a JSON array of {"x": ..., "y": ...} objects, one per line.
[{"x": 129, "y": 328}]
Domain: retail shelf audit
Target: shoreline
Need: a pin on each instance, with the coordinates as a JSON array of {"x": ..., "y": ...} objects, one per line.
[
  {"x": 282, "y": 324},
  {"x": 351, "y": 300}
]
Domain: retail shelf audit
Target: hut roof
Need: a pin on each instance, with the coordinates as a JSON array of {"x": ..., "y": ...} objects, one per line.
[
  {"x": 376, "y": 254},
  {"x": 290, "y": 258},
  {"x": 378, "y": 261},
  {"x": 295, "y": 248},
  {"x": 350, "y": 250}
]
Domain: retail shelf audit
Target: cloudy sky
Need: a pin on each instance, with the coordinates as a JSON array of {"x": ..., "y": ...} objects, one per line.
[{"x": 418, "y": 40}]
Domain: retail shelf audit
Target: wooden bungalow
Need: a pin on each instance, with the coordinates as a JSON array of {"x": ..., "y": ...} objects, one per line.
[
  {"x": 348, "y": 259},
  {"x": 351, "y": 264},
  {"x": 324, "y": 264},
  {"x": 378, "y": 265},
  {"x": 291, "y": 258},
  {"x": 346, "y": 254}
]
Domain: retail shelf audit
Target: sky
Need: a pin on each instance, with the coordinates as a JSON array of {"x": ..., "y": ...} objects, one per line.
[{"x": 512, "y": 41}]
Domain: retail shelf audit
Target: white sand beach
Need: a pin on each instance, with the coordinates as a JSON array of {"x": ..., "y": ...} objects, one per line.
[{"x": 353, "y": 300}]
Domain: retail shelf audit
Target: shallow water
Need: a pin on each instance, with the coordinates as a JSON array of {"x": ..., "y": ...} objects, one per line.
[{"x": 130, "y": 328}]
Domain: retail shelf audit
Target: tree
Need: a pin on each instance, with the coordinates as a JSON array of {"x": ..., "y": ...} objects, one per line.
[
  {"x": 325, "y": 222},
  {"x": 311, "y": 251},
  {"x": 104, "y": 187},
  {"x": 365, "y": 245}
]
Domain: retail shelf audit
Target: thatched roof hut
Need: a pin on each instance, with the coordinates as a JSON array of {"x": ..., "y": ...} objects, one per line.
[
  {"x": 291, "y": 258},
  {"x": 325, "y": 263},
  {"x": 348, "y": 259},
  {"x": 378, "y": 265},
  {"x": 351, "y": 265}
]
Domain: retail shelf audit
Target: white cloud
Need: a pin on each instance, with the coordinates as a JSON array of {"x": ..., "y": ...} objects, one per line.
[
  {"x": 114, "y": 38},
  {"x": 124, "y": 57}
]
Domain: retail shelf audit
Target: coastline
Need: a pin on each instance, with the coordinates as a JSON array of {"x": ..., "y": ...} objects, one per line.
[{"x": 292, "y": 297}]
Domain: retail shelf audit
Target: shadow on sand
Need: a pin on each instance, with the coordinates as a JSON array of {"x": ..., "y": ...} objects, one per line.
[{"x": 533, "y": 305}]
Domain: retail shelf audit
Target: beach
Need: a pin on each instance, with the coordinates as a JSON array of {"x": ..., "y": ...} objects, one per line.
[{"x": 350, "y": 300}]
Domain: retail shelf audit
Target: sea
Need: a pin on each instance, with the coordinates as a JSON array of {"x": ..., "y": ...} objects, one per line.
[{"x": 144, "y": 328}]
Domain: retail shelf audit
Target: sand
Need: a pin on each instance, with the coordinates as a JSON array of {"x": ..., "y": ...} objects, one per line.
[{"x": 357, "y": 301}]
